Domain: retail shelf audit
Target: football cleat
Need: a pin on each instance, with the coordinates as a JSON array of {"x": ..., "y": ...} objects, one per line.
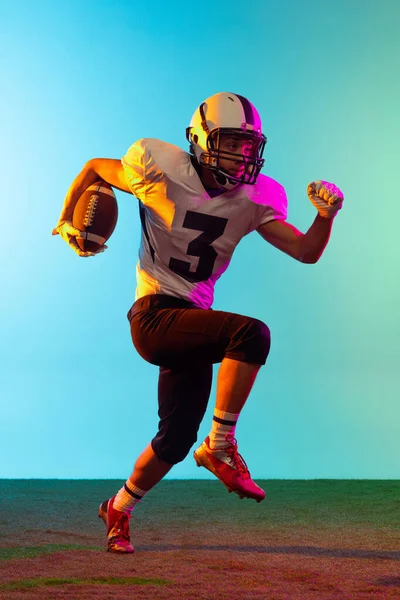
[
  {"x": 230, "y": 468},
  {"x": 117, "y": 524}
]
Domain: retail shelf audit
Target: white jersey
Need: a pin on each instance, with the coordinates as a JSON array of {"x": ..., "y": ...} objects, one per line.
[{"x": 188, "y": 237}]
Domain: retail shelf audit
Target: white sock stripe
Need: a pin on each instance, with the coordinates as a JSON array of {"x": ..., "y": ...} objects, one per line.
[
  {"x": 133, "y": 490},
  {"x": 127, "y": 497},
  {"x": 223, "y": 426},
  {"x": 223, "y": 421},
  {"x": 220, "y": 428},
  {"x": 227, "y": 416},
  {"x": 136, "y": 496}
]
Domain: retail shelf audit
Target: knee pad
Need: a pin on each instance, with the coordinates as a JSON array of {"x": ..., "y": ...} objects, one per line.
[
  {"x": 251, "y": 342},
  {"x": 259, "y": 340},
  {"x": 262, "y": 335},
  {"x": 172, "y": 448}
]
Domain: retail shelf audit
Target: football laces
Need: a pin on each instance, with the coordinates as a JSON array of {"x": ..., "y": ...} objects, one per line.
[{"x": 91, "y": 210}]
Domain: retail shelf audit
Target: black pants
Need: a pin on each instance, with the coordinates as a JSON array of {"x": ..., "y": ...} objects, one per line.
[{"x": 185, "y": 341}]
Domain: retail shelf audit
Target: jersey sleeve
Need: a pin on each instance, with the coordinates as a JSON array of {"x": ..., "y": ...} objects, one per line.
[
  {"x": 134, "y": 165},
  {"x": 274, "y": 203}
]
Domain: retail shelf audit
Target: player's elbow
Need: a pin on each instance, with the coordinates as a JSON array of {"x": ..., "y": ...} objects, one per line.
[
  {"x": 307, "y": 259},
  {"x": 89, "y": 169},
  {"x": 109, "y": 170},
  {"x": 306, "y": 255},
  {"x": 92, "y": 166}
]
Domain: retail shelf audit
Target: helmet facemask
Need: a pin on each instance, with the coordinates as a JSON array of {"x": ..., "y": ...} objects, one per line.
[{"x": 252, "y": 162}]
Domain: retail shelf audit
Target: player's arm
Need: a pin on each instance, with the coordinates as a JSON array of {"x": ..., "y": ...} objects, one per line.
[
  {"x": 111, "y": 171},
  {"x": 283, "y": 236},
  {"x": 304, "y": 247},
  {"x": 307, "y": 247},
  {"x": 108, "y": 169}
]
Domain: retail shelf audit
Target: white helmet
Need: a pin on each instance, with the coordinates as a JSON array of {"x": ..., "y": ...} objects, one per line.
[{"x": 226, "y": 113}]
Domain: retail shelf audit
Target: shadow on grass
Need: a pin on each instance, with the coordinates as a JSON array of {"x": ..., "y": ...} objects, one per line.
[
  {"x": 28, "y": 584},
  {"x": 301, "y": 550},
  {"x": 388, "y": 581},
  {"x": 33, "y": 551}
]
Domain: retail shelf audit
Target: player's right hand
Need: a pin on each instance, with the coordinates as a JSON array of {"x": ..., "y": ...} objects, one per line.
[{"x": 69, "y": 233}]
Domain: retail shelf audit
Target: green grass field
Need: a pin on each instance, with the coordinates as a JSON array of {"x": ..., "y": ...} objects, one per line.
[{"x": 317, "y": 539}]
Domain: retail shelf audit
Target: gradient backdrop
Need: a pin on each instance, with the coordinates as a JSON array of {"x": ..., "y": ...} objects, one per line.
[{"x": 84, "y": 79}]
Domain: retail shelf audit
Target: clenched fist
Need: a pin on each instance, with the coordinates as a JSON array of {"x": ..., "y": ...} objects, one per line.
[{"x": 326, "y": 197}]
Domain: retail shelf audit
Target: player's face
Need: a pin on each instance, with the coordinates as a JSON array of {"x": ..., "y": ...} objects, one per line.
[{"x": 234, "y": 145}]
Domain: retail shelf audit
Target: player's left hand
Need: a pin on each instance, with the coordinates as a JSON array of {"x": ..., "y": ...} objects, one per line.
[{"x": 326, "y": 197}]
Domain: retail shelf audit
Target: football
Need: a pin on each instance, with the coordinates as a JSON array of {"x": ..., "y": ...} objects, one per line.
[{"x": 95, "y": 214}]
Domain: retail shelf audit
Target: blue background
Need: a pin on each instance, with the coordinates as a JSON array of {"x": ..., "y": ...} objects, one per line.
[{"x": 85, "y": 79}]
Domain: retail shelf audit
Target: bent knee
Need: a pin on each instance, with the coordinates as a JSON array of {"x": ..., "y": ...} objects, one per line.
[
  {"x": 251, "y": 342},
  {"x": 173, "y": 451},
  {"x": 261, "y": 330}
]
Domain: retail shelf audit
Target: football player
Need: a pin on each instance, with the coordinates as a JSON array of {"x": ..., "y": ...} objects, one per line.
[{"x": 194, "y": 208}]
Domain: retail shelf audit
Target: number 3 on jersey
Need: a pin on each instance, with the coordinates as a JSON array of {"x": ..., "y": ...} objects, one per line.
[{"x": 212, "y": 228}]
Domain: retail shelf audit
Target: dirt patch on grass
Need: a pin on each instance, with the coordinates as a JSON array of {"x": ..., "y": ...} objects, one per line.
[{"x": 202, "y": 570}]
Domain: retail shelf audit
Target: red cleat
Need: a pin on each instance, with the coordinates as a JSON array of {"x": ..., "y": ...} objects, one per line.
[
  {"x": 228, "y": 465},
  {"x": 117, "y": 524}
]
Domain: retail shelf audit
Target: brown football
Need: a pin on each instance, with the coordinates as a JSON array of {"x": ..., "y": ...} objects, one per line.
[{"x": 96, "y": 214}]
